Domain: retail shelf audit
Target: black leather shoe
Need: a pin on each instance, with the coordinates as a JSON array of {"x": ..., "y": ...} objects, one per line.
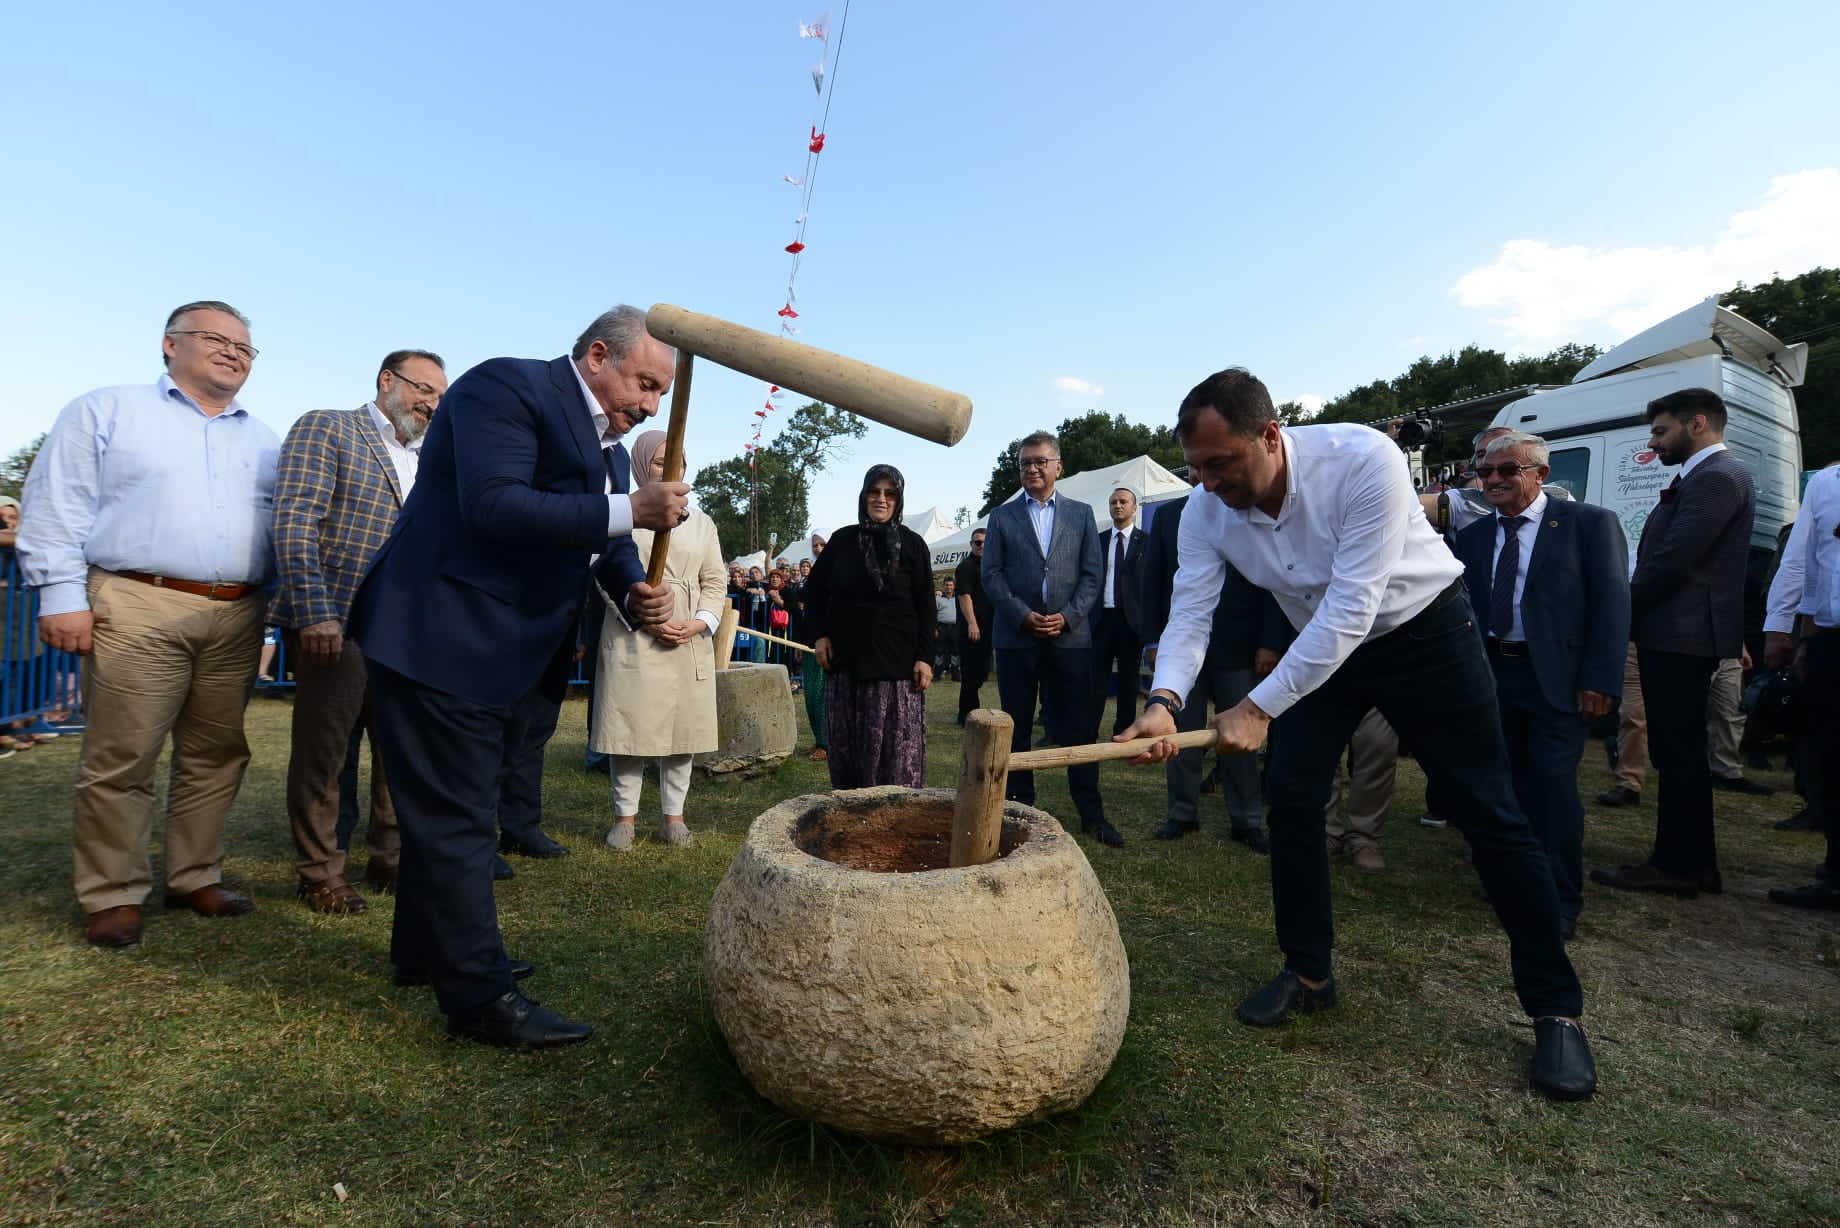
[
  {"x": 1648, "y": 878},
  {"x": 1253, "y": 838},
  {"x": 1619, "y": 795},
  {"x": 1174, "y": 829},
  {"x": 409, "y": 977},
  {"x": 1804, "y": 819},
  {"x": 1562, "y": 1066},
  {"x": 1102, "y": 831},
  {"x": 1741, "y": 784},
  {"x": 1568, "y": 928},
  {"x": 1822, "y": 895},
  {"x": 515, "y": 1022},
  {"x": 501, "y": 869},
  {"x": 1286, "y": 995},
  {"x": 532, "y": 844}
]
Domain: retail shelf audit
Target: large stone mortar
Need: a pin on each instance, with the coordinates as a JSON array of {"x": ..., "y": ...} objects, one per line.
[
  {"x": 756, "y": 724},
  {"x": 861, "y": 984}
]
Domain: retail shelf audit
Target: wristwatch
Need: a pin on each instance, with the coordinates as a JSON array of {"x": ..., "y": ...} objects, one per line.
[{"x": 1174, "y": 706}]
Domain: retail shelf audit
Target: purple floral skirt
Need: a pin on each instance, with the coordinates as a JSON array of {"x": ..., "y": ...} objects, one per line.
[{"x": 875, "y": 733}]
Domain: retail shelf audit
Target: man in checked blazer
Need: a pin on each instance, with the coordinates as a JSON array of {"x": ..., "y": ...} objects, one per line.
[
  {"x": 342, "y": 478},
  {"x": 1686, "y": 613},
  {"x": 1042, "y": 572}
]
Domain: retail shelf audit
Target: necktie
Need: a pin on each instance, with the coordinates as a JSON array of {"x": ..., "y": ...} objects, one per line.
[
  {"x": 619, "y": 467},
  {"x": 1501, "y": 593},
  {"x": 1117, "y": 566},
  {"x": 1673, "y": 488}
]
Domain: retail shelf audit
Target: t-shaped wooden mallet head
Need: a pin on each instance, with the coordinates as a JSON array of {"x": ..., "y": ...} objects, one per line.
[{"x": 880, "y": 396}]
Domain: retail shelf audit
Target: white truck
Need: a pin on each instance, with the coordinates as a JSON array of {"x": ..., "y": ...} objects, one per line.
[{"x": 1599, "y": 439}]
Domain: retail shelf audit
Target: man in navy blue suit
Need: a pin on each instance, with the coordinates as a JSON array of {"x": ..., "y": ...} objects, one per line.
[
  {"x": 1117, "y": 635},
  {"x": 1042, "y": 572},
  {"x": 471, "y": 607},
  {"x": 1548, "y": 580}
]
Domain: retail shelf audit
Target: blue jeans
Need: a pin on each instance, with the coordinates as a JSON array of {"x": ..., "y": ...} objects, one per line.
[{"x": 1431, "y": 681}]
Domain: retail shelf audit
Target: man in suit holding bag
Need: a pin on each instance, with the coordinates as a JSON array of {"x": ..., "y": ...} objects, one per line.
[
  {"x": 1042, "y": 571},
  {"x": 1686, "y": 613},
  {"x": 1546, "y": 579},
  {"x": 471, "y": 608}
]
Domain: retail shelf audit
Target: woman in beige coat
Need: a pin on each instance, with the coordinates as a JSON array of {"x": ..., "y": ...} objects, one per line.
[{"x": 655, "y": 689}]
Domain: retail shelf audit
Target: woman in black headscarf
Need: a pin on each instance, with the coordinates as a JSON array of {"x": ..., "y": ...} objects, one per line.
[{"x": 869, "y": 605}]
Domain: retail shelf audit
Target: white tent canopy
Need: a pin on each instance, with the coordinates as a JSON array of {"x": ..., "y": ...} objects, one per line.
[
  {"x": 931, "y": 525},
  {"x": 1151, "y": 482}
]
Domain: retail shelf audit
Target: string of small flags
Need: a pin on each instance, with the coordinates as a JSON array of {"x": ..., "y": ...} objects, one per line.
[{"x": 806, "y": 181}]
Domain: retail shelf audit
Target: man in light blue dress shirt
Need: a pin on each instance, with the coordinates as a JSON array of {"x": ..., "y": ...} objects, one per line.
[{"x": 148, "y": 542}]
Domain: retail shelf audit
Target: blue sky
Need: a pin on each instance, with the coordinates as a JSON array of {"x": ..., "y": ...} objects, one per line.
[{"x": 1049, "y": 208}]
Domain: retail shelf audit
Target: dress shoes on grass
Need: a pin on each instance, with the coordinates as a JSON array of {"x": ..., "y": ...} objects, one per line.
[
  {"x": 1619, "y": 795},
  {"x": 1103, "y": 831},
  {"x": 1562, "y": 1066},
  {"x": 1655, "y": 881},
  {"x": 333, "y": 896},
  {"x": 381, "y": 878},
  {"x": 1821, "y": 895},
  {"x": 1285, "y": 996},
  {"x": 215, "y": 900},
  {"x": 1174, "y": 829},
  {"x": 1742, "y": 784},
  {"x": 115, "y": 927},
  {"x": 501, "y": 870},
  {"x": 409, "y": 978},
  {"x": 1253, "y": 838},
  {"x": 531, "y": 844},
  {"x": 515, "y": 1022}
]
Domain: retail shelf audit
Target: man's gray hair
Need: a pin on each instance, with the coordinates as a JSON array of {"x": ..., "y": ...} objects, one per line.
[
  {"x": 1038, "y": 438},
  {"x": 1484, "y": 433},
  {"x": 1535, "y": 445},
  {"x": 620, "y": 330}
]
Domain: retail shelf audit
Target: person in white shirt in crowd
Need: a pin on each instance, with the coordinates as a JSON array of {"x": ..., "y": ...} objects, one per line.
[{"x": 1325, "y": 518}]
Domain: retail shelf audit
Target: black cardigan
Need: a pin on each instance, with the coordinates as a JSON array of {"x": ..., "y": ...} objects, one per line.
[{"x": 875, "y": 637}]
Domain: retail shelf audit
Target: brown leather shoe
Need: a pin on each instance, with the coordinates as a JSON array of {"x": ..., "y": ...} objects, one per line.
[
  {"x": 115, "y": 927},
  {"x": 380, "y": 877},
  {"x": 215, "y": 900},
  {"x": 333, "y": 896}
]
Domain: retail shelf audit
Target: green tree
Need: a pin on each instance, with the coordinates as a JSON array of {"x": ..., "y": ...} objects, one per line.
[
  {"x": 779, "y": 485},
  {"x": 14, "y": 468},
  {"x": 1092, "y": 440}
]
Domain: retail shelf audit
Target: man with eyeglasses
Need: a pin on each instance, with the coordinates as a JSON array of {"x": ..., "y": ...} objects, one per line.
[
  {"x": 344, "y": 474},
  {"x": 1325, "y": 519},
  {"x": 148, "y": 541},
  {"x": 468, "y": 618},
  {"x": 1042, "y": 569},
  {"x": 1549, "y": 583}
]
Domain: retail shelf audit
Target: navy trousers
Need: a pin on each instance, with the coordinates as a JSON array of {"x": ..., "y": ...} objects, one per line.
[
  {"x": 1061, "y": 676},
  {"x": 1544, "y": 747},
  {"x": 1459, "y": 744}
]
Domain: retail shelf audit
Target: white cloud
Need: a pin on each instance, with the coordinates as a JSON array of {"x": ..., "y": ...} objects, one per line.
[
  {"x": 1073, "y": 383},
  {"x": 1576, "y": 293},
  {"x": 1311, "y": 403},
  {"x": 1412, "y": 343}
]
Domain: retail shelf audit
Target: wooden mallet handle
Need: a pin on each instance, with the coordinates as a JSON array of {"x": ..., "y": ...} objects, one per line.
[
  {"x": 1101, "y": 752},
  {"x": 673, "y": 457}
]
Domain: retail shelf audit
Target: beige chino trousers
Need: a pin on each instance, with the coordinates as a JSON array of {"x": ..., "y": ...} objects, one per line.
[{"x": 162, "y": 664}]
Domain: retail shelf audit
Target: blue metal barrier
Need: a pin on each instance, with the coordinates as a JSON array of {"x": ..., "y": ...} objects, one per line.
[{"x": 37, "y": 684}]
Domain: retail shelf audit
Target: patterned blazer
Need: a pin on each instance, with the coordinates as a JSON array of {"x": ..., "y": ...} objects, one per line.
[{"x": 336, "y": 498}]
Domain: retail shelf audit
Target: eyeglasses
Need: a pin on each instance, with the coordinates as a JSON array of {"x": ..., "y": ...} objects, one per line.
[
  {"x": 427, "y": 390},
  {"x": 1037, "y": 462},
  {"x": 218, "y": 341},
  {"x": 1507, "y": 469},
  {"x": 977, "y": 541}
]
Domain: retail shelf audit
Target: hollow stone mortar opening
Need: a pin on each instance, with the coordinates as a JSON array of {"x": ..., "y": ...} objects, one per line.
[{"x": 889, "y": 837}]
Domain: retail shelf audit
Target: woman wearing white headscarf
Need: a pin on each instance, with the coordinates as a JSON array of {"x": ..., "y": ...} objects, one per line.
[{"x": 655, "y": 689}]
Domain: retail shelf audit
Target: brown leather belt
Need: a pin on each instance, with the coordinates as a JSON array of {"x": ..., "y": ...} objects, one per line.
[{"x": 215, "y": 591}]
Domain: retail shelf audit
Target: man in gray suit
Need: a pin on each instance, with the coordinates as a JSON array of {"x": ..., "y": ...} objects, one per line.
[
  {"x": 1548, "y": 581},
  {"x": 1042, "y": 571},
  {"x": 1686, "y": 613}
]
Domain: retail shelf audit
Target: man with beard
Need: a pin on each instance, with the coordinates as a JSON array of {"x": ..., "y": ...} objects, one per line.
[
  {"x": 343, "y": 476},
  {"x": 471, "y": 609}
]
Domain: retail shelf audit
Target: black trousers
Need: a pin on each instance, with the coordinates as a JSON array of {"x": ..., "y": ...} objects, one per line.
[
  {"x": 1544, "y": 748},
  {"x": 1674, "y": 690},
  {"x": 1116, "y": 648},
  {"x": 973, "y": 668},
  {"x": 444, "y": 757},
  {"x": 1460, "y": 747},
  {"x": 520, "y": 778},
  {"x": 1821, "y": 717},
  {"x": 1061, "y": 675}
]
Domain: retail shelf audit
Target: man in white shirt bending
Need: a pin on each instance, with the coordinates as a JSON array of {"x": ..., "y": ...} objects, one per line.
[{"x": 1325, "y": 518}]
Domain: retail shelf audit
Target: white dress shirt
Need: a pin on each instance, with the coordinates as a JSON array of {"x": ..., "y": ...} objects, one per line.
[
  {"x": 619, "y": 507},
  {"x": 1529, "y": 530},
  {"x": 1686, "y": 466},
  {"x": 1808, "y": 582},
  {"x": 1111, "y": 557},
  {"x": 1349, "y": 557},
  {"x": 405, "y": 458}
]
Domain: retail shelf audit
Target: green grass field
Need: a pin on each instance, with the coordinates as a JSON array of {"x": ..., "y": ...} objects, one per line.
[{"x": 237, "y": 1071}]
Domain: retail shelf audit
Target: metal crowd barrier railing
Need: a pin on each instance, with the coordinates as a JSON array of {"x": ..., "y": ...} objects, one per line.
[{"x": 40, "y": 687}]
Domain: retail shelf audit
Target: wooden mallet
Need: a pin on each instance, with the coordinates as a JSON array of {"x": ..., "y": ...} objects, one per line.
[
  {"x": 985, "y": 764},
  {"x": 870, "y": 392}
]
